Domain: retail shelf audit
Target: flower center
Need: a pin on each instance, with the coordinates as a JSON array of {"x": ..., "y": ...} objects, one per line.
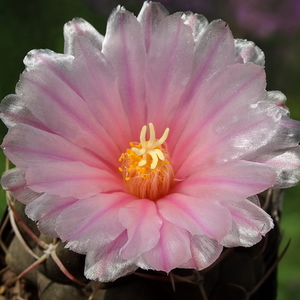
[{"x": 146, "y": 167}]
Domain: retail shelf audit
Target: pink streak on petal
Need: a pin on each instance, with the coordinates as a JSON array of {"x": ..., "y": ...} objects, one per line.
[
  {"x": 221, "y": 103},
  {"x": 71, "y": 179},
  {"x": 169, "y": 64},
  {"x": 172, "y": 250},
  {"x": 27, "y": 146},
  {"x": 90, "y": 224},
  {"x": 229, "y": 179},
  {"x": 97, "y": 81},
  {"x": 79, "y": 27},
  {"x": 73, "y": 119},
  {"x": 124, "y": 48},
  {"x": 149, "y": 17},
  {"x": 196, "y": 215},
  {"x": 214, "y": 50},
  {"x": 13, "y": 111},
  {"x": 244, "y": 139},
  {"x": 141, "y": 220}
]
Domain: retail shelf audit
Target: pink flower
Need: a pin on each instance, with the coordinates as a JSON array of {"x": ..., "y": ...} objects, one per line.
[{"x": 145, "y": 148}]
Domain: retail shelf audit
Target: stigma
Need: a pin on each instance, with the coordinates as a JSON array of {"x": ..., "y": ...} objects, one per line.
[{"x": 145, "y": 166}]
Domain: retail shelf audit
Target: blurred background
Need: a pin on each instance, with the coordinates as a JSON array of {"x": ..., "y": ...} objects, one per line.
[{"x": 274, "y": 25}]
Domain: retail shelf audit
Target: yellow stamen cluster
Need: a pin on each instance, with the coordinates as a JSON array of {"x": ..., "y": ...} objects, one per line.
[{"x": 146, "y": 167}]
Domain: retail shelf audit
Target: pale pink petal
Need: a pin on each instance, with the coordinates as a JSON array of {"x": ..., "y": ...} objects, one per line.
[
  {"x": 249, "y": 141},
  {"x": 124, "y": 47},
  {"x": 79, "y": 27},
  {"x": 45, "y": 209},
  {"x": 246, "y": 51},
  {"x": 244, "y": 138},
  {"x": 287, "y": 135},
  {"x": 282, "y": 151},
  {"x": 237, "y": 85},
  {"x": 232, "y": 180},
  {"x": 205, "y": 251},
  {"x": 90, "y": 224},
  {"x": 277, "y": 97},
  {"x": 284, "y": 135},
  {"x": 28, "y": 146},
  {"x": 198, "y": 24},
  {"x": 287, "y": 165},
  {"x": 254, "y": 199},
  {"x": 249, "y": 224},
  {"x": 292, "y": 129},
  {"x": 13, "y": 110},
  {"x": 172, "y": 250},
  {"x": 151, "y": 14},
  {"x": 14, "y": 182},
  {"x": 169, "y": 65},
  {"x": 199, "y": 216},
  {"x": 46, "y": 82},
  {"x": 221, "y": 104},
  {"x": 213, "y": 51},
  {"x": 142, "y": 222},
  {"x": 71, "y": 179},
  {"x": 97, "y": 82},
  {"x": 106, "y": 264}
]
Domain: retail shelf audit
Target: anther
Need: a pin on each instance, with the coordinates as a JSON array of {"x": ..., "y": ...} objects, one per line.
[{"x": 146, "y": 167}]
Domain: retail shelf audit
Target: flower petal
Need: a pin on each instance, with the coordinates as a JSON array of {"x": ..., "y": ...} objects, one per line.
[
  {"x": 13, "y": 110},
  {"x": 45, "y": 209},
  {"x": 47, "y": 81},
  {"x": 287, "y": 165},
  {"x": 90, "y": 224},
  {"x": 172, "y": 250},
  {"x": 28, "y": 146},
  {"x": 276, "y": 97},
  {"x": 14, "y": 182},
  {"x": 71, "y": 179},
  {"x": 105, "y": 264},
  {"x": 151, "y": 14},
  {"x": 205, "y": 251},
  {"x": 169, "y": 65},
  {"x": 213, "y": 51},
  {"x": 80, "y": 27},
  {"x": 250, "y": 223},
  {"x": 97, "y": 82},
  {"x": 228, "y": 180},
  {"x": 286, "y": 133},
  {"x": 141, "y": 220},
  {"x": 223, "y": 110},
  {"x": 124, "y": 47},
  {"x": 246, "y": 51},
  {"x": 198, "y": 24},
  {"x": 199, "y": 216}
]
